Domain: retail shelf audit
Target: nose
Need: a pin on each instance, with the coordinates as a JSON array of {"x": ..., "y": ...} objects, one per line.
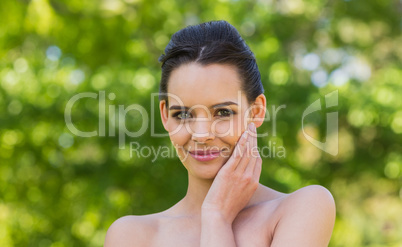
[{"x": 200, "y": 131}]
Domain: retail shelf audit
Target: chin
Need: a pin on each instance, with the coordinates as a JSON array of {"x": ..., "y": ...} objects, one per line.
[
  {"x": 200, "y": 169},
  {"x": 209, "y": 174},
  {"x": 206, "y": 171}
]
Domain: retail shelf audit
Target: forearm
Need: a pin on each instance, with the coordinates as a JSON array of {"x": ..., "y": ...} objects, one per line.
[{"x": 215, "y": 231}]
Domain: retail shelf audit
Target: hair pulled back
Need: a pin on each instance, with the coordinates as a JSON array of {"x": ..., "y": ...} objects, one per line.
[{"x": 215, "y": 42}]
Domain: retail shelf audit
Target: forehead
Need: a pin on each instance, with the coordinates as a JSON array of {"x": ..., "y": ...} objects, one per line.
[{"x": 205, "y": 85}]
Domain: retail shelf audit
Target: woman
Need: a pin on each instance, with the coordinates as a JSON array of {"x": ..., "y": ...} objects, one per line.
[{"x": 211, "y": 102}]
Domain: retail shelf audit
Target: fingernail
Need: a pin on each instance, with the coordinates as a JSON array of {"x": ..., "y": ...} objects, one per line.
[
  {"x": 251, "y": 126},
  {"x": 245, "y": 134}
]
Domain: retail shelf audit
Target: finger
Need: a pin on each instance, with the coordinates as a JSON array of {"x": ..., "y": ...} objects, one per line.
[
  {"x": 238, "y": 151},
  {"x": 257, "y": 169},
  {"x": 245, "y": 160},
  {"x": 253, "y": 154}
]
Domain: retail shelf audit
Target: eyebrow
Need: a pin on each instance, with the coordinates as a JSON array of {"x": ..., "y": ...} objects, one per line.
[{"x": 226, "y": 103}]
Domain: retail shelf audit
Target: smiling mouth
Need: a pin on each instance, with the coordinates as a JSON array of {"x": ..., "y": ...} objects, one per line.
[
  {"x": 204, "y": 156},
  {"x": 204, "y": 152}
]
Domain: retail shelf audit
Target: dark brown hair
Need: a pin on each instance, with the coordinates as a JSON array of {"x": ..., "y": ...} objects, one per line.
[{"x": 215, "y": 42}]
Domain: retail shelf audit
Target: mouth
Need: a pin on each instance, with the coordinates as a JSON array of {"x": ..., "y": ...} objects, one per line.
[
  {"x": 205, "y": 155},
  {"x": 204, "y": 152}
]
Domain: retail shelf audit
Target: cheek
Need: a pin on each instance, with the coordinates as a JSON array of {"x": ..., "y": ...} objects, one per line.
[
  {"x": 178, "y": 134},
  {"x": 233, "y": 127},
  {"x": 223, "y": 128},
  {"x": 230, "y": 131}
]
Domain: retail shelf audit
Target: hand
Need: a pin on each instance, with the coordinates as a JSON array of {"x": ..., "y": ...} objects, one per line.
[{"x": 237, "y": 180}]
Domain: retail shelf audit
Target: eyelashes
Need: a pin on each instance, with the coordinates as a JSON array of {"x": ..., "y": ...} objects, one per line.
[
  {"x": 219, "y": 112},
  {"x": 181, "y": 115}
]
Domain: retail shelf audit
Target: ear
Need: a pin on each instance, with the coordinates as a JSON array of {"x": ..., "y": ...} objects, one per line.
[
  {"x": 258, "y": 110},
  {"x": 164, "y": 113}
]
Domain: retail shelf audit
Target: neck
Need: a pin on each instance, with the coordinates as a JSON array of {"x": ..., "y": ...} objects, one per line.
[
  {"x": 196, "y": 192},
  {"x": 198, "y": 189}
]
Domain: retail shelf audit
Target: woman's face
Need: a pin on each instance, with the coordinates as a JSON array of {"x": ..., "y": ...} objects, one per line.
[{"x": 206, "y": 115}]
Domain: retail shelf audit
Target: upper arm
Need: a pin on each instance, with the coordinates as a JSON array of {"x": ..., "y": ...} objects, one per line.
[
  {"x": 128, "y": 231},
  {"x": 308, "y": 218}
]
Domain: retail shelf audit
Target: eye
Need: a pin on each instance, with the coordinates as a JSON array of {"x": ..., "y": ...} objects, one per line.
[
  {"x": 225, "y": 112},
  {"x": 186, "y": 114},
  {"x": 181, "y": 115}
]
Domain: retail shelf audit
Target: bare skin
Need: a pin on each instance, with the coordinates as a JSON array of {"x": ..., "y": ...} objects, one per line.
[{"x": 225, "y": 204}]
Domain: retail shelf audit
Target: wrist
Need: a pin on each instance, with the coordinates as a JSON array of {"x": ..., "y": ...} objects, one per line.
[
  {"x": 216, "y": 230},
  {"x": 215, "y": 217}
]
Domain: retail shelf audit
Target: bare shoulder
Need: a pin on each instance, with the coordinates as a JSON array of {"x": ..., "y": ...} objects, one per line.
[
  {"x": 307, "y": 218},
  {"x": 312, "y": 199},
  {"x": 132, "y": 231},
  {"x": 311, "y": 196}
]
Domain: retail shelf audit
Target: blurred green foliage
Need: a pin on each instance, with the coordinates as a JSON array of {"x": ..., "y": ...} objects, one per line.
[{"x": 58, "y": 189}]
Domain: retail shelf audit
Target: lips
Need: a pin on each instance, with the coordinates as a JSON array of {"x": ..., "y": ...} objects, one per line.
[
  {"x": 204, "y": 155},
  {"x": 204, "y": 152}
]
